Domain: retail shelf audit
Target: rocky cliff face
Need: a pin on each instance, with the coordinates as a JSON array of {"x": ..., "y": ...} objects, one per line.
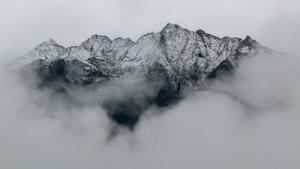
[{"x": 168, "y": 61}]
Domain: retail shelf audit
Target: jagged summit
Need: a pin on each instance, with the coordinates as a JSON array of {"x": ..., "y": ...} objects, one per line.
[
  {"x": 181, "y": 52},
  {"x": 171, "y": 26},
  {"x": 172, "y": 36},
  {"x": 48, "y": 42},
  {"x": 168, "y": 61},
  {"x": 51, "y": 41}
]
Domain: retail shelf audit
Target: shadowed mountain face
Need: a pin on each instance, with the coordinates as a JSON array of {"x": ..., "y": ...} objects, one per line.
[{"x": 153, "y": 71}]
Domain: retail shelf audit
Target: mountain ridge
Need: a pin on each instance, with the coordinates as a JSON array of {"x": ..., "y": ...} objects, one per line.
[
  {"x": 168, "y": 61},
  {"x": 104, "y": 40}
]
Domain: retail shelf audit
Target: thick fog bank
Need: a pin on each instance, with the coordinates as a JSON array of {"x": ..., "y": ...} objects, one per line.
[{"x": 248, "y": 121}]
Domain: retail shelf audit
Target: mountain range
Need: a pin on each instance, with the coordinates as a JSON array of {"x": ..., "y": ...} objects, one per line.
[{"x": 166, "y": 64}]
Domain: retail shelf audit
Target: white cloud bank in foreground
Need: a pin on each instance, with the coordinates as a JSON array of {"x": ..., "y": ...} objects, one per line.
[{"x": 248, "y": 122}]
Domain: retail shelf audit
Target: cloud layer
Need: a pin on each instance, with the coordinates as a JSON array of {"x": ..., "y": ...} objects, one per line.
[{"x": 246, "y": 121}]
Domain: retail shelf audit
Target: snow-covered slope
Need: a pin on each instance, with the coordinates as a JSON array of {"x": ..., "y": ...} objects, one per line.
[
  {"x": 178, "y": 50},
  {"x": 48, "y": 51}
]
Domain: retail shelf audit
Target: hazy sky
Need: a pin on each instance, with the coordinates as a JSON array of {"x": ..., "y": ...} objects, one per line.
[
  {"x": 27, "y": 23},
  {"x": 249, "y": 122}
]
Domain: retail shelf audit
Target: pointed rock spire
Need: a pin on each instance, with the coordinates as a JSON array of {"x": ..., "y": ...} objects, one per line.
[{"x": 52, "y": 41}]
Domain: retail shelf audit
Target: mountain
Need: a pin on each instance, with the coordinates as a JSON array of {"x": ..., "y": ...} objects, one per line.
[{"x": 168, "y": 61}]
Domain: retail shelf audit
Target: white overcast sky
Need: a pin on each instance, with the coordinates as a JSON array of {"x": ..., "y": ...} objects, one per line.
[{"x": 26, "y": 23}]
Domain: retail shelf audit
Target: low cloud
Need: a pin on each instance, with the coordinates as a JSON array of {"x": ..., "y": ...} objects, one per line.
[{"x": 246, "y": 121}]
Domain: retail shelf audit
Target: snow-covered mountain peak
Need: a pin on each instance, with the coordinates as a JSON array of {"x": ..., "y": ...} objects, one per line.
[
  {"x": 51, "y": 41},
  {"x": 122, "y": 40},
  {"x": 248, "y": 41},
  {"x": 168, "y": 61},
  {"x": 200, "y": 32},
  {"x": 178, "y": 50},
  {"x": 48, "y": 42},
  {"x": 171, "y": 27},
  {"x": 47, "y": 51},
  {"x": 96, "y": 43}
]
